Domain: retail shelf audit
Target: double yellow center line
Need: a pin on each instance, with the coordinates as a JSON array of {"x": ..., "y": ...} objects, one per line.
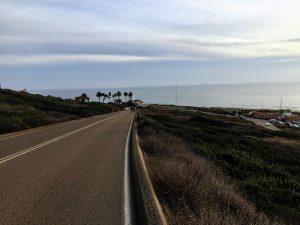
[{"x": 25, "y": 151}]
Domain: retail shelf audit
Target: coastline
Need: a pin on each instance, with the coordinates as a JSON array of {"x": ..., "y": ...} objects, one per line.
[{"x": 247, "y": 96}]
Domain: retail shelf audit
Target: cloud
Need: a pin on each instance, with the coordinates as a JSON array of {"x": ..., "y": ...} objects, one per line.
[
  {"x": 288, "y": 60},
  {"x": 235, "y": 42},
  {"x": 148, "y": 30},
  {"x": 239, "y": 47},
  {"x": 73, "y": 58},
  {"x": 297, "y": 40}
]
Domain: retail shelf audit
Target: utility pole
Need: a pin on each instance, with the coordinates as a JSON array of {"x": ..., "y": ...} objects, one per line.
[
  {"x": 176, "y": 95},
  {"x": 281, "y": 104}
]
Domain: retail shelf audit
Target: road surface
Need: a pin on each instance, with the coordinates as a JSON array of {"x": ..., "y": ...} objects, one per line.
[
  {"x": 66, "y": 174},
  {"x": 258, "y": 122},
  {"x": 262, "y": 123}
]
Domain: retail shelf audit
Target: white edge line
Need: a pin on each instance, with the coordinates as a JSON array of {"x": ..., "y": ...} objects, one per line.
[
  {"x": 127, "y": 196},
  {"x": 23, "y": 152}
]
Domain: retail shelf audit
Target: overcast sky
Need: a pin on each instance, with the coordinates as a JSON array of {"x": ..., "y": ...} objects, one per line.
[{"x": 95, "y": 43}]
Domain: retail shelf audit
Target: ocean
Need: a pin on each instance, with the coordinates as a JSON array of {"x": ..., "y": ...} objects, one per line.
[{"x": 266, "y": 96}]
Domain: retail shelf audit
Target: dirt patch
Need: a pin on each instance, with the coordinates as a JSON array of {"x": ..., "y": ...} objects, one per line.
[{"x": 281, "y": 140}]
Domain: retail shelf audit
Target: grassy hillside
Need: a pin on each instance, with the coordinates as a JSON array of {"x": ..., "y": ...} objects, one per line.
[
  {"x": 20, "y": 110},
  {"x": 264, "y": 165}
]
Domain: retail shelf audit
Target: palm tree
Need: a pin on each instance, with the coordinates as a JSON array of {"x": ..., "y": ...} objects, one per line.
[
  {"x": 119, "y": 94},
  {"x": 125, "y": 94},
  {"x": 104, "y": 97},
  {"x": 130, "y": 95},
  {"x": 99, "y": 95},
  {"x": 110, "y": 95}
]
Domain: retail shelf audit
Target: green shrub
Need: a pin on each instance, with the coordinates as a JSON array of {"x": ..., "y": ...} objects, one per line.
[
  {"x": 267, "y": 172},
  {"x": 24, "y": 110}
]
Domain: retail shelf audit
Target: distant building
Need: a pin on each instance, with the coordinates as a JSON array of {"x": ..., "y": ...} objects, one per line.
[
  {"x": 293, "y": 118},
  {"x": 24, "y": 91},
  {"x": 287, "y": 114},
  {"x": 265, "y": 115},
  {"x": 139, "y": 103}
]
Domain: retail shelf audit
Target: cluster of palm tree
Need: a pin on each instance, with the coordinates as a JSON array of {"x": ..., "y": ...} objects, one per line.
[
  {"x": 116, "y": 96},
  {"x": 128, "y": 94},
  {"x": 103, "y": 95}
]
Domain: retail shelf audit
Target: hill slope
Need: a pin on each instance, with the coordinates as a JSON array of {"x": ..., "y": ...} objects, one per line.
[
  {"x": 262, "y": 165},
  {"x": 21, "y": 110}
]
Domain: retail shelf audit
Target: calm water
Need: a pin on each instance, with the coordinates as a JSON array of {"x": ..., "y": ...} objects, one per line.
[{"x": 233, "y": 95}]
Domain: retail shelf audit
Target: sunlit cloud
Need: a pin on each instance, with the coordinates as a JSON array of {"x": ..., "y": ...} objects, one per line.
[
  {"x": 81, "y": 58},
  {"x": 288, "y": 60}
]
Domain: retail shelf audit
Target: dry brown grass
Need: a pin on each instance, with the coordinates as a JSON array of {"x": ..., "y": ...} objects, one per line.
[
  {"x": 276, "y": 139},
  {"x": 191, "y": 189}
]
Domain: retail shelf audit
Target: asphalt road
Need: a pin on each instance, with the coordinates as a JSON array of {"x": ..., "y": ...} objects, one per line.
[
  {"x": 70, "y": 173},
  {"x": 262, "y": 123},
  {"x": 258, "y": 122}
]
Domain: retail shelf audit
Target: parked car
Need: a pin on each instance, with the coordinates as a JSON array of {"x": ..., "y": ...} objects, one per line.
[
  {"x": 268, "y": 124},
  {"x": 279, "y": 122},
  {"x": 297, "y": 122},
  {"x": 293, "y": 125},
  {"x": 272, "y": 120}
]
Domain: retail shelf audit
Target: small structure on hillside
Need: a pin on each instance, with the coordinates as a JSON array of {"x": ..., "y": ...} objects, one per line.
[
  {"x": 285, "y": 116},
  {"x": 292, "y": 118},
  {"x": 82, "y": 98},
  {"x": 24, "y": 91},
  {"x": 139, "y": 103},
  {"x": 265, "y": 115}
]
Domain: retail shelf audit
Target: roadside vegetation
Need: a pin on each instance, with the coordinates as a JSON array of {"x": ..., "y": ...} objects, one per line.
[
  {"x": 21, "y": 110},
  {"x": 211, "y": 169}
]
